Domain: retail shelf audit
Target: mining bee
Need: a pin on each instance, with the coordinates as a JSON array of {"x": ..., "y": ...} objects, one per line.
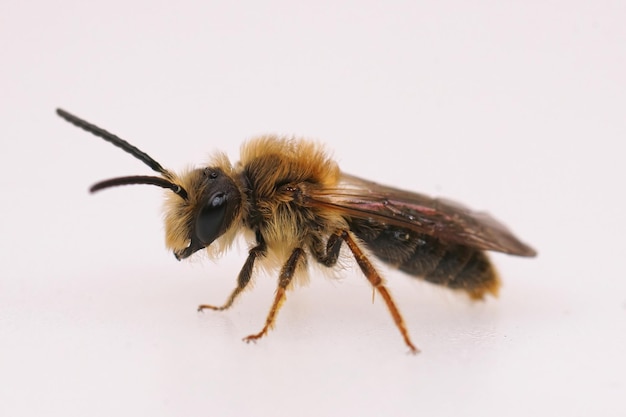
[{"x": 295, "y": 204}]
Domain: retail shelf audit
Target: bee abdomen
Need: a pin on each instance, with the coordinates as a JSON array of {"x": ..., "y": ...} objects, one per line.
[{"x": 454, "y": 266}]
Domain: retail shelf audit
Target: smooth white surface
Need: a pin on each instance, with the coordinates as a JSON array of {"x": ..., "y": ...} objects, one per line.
[{"x": 518, "y": 108}]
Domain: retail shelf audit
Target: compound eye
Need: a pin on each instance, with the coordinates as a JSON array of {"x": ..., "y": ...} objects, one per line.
[{"x": 211, "y": 218}]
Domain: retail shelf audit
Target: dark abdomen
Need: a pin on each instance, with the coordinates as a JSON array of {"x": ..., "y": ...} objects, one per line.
[{"x": 451, "y": 265}]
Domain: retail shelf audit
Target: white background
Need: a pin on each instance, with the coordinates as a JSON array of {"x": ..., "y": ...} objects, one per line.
[{"x": 517, "y": 107}]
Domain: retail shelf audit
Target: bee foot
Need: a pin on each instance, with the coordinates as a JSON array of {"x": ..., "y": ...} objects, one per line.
[{"x": 203, "y": 307}]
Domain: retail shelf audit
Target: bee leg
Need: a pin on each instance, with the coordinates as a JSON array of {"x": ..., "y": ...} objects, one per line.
[
  {"x": 244, "y": 276},
  {"x": 286, "y": 275},
  {"x": 327, "y": 256},
  {"x": 377, "y": 282}
]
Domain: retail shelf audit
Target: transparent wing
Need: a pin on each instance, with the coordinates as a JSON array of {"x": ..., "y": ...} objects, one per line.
[{"x": 440, "y": 218}]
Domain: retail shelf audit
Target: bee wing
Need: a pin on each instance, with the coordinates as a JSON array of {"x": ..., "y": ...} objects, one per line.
[{"x": 440, "y": 218}]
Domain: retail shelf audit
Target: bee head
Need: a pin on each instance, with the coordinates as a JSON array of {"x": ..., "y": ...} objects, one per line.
[
  {"x": 203, "y": 204},
  {"x": 212, "y": 206}
]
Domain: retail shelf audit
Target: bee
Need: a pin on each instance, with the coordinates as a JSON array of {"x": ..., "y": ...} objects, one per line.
[{"x": 296, "y": 205}]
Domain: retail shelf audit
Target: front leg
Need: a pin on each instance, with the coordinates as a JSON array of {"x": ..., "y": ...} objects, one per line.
[
  {"x": 286, "y": 275},
  {"x": 244, "y": 275}
]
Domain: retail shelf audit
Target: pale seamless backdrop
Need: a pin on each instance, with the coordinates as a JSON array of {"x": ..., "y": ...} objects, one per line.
[{"x": 516, "y": 108}]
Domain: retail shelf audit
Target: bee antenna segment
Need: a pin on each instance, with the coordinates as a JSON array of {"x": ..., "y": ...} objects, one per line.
[
  {"x": 140, "y": 179},
  {"x": 115, "y": 140}
]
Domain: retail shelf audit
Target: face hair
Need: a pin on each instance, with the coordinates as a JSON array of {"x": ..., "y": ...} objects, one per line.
[{"x": 134, "y": 151}]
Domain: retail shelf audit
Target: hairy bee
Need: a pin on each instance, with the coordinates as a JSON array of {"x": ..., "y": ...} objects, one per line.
[{"x": 298, "y": 205}]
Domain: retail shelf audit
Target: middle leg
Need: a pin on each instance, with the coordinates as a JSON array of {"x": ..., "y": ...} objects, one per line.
[{"x": 286, "y": 275}]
